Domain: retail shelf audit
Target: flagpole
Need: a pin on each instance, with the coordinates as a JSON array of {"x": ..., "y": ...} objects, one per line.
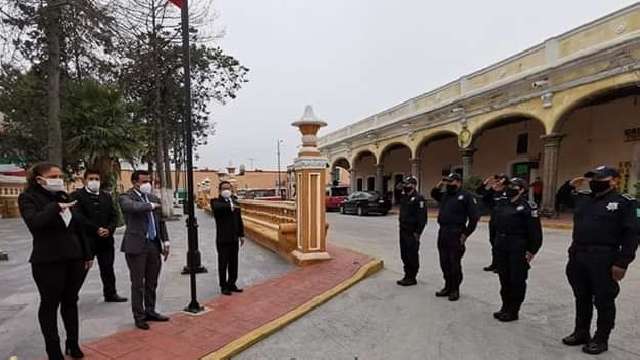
[{"x": 193, "y": 254}]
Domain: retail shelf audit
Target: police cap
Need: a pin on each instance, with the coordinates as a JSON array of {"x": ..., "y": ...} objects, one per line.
[
  {"x": 453, "y": 177},
  {"x": 602, "y": 172},
  {"x": 411, "y": 180},
  {"x": 520, "y": 182}
]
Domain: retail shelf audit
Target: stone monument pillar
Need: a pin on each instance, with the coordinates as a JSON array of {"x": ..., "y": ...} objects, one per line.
[{"x": 310, "y": 174}]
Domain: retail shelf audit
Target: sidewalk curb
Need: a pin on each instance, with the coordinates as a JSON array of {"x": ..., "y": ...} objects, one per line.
[{"x": 244, "y": 342}]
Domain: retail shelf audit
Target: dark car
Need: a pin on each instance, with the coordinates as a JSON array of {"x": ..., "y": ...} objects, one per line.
[{"x": 364, "y": 203}]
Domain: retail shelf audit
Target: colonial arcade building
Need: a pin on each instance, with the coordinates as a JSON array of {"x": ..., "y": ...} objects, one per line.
[{"x": 551, "y": 111}]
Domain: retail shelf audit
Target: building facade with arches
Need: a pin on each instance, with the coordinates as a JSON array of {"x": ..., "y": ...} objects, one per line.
[{"x": 551, "y": 111}]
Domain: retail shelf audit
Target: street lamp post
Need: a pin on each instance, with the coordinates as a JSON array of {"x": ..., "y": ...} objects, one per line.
[
  {"x": 193, "y": 254},
  {"x": 279, "y": 172}
]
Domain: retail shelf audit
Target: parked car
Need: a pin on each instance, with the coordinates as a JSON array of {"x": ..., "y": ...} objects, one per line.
[
  {"x": 335, "y": 196},
  {"x": 363, "y": 203}
]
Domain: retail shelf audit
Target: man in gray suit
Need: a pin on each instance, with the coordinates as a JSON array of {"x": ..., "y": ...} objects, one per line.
[{"x": 145, "y": 239}]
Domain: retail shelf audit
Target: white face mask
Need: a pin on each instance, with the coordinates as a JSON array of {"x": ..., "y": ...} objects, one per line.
[
  {"x": 93, "y": 185},
  {"x": 146, "y": 188},
  {"x": 226, "y": 194},
  {"x": 53, "y": 185}
]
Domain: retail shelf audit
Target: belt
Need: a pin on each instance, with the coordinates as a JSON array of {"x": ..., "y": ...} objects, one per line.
[{"x": 593, "y": 248}]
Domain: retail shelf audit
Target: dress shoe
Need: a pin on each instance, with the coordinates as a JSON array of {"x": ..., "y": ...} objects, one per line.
[
  {"x": 507, "y": 317},
  {"x": 115, "y": 298},
  {"x": 154, "y": 316},
  {"x": 141, "y": 324},
  {"x": 497, "y": 314},
  {"x": 73, "y": 349},
  {"x": 595, "y": 347},
  {"x": 235, "y": 289},
  {"x": 489, "y": 268},
  {"x": 53, "y": 351},
  {"x": 576, "y": 339},
  {"x": 226, "y": 292},
  {"x": 407, "y": 282},
  {"x": 443, "y": 293},
  {"x": 454, "y": 295}
]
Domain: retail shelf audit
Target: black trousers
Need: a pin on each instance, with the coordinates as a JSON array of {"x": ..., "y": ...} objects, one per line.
[
  {"x": 105, "y": 259},
  {"x": 451, "y": 251},
  {"x": 409, "y": 252},
  {"x": 144, "y": 270},
  {"x": 58, "y": 284},
  {"x": 228, "y": 263},
  {"x": 589, "y": 274},
  {"x": 513, "y": 270}
]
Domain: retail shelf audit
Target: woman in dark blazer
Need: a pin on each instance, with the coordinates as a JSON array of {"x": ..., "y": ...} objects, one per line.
[{"x": 60, "y": 258}]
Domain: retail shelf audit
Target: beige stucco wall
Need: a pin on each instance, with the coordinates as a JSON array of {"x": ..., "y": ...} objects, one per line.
[
  {"x": 365, "y": 167},
  {"x": 497, "y": 148},
  {"x": 595, "y": 136}
]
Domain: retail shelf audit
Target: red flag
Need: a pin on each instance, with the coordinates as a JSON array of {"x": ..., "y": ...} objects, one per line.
[{"x": 177, "y": 3}]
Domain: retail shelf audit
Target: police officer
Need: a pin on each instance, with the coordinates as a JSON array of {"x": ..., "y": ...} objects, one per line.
[
  {"x": 492, "y": 191},
  {"x": 413, "y": 219},
  {"x": 457, "y": 217},
  {"x": 605, "y": 240},
  {"x": 518, "y": 237}
]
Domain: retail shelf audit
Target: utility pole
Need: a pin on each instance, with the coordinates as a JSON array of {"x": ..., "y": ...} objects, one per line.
[{"x": 279, "y": 173}]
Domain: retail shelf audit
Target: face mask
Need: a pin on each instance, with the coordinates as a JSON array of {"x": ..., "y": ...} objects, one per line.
[
  {"x": 512, "y": 192},
  {"x": 146, "y": 188},
  {"x": 452, "y": 188},
  {"x": 226, "y": 194},
  {"x": 53, "y": 185},
  {"x": 598, "y": 186},
  {"x": 408, "y": 189},
  {"x": 93, "y": 186}
]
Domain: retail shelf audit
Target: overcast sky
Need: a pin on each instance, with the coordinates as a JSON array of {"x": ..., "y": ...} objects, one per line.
[{"x": 353, "y": 58}]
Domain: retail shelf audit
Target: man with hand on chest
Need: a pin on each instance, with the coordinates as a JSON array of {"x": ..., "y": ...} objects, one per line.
[
  {"x": 98, "y": 217},
  {"x": 229, "y": 237}
]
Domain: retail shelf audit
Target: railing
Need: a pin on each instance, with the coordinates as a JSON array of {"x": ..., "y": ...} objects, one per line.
[{"x": 9, "y": 201}]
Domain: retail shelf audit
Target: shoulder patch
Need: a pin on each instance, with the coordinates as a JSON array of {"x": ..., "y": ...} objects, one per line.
[
  {"x": 533, "y": 205},
  {"x": 460, "y": 197},
  {"x": 628, "y": 197}
]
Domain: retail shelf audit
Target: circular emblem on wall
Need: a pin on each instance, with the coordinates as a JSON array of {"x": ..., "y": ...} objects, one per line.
[{"x": 464, "y": 139}]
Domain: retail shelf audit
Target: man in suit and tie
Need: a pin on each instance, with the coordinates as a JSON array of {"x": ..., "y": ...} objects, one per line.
[
  {"x": 97, "y": 213},
  {"x": 144, "y": 241},
  {"x": 229, "y": 235}
]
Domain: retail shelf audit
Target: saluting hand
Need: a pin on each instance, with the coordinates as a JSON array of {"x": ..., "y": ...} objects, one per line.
[
  {"x": 577, "y": 182},
  {"x": 617, "y": 273}
]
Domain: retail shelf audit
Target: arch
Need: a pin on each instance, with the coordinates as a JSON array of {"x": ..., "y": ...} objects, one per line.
[
  {"x": 393, "y": 146},
  {"x": 594, "y": 96},
  {"x": 361, "y": 153},
  {"x": 342, "y": 162},
  {"x": 504, "y": 119},
  {"x": 433, "y": 136}
]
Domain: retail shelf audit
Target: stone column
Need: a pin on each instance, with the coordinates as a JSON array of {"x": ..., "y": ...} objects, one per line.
[
  {"x": 415, "y": 171},
  {"x": 550, "y": 172},
  {"x": 352, "y": 180},
  {"x": 467, "y": 161},
  {"x": 310, "y": 171},
  {"x": 380, "y": 178}
]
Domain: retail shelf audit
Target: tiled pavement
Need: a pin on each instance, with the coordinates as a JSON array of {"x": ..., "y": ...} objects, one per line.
[{"x": 229, "y": 317}]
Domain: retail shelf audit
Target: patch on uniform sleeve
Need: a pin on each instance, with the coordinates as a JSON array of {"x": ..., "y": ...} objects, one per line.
[
  {"x": 520, "y": 208},
  {"x": 628, "y": 197},
  {"x": 638, "y": 213},
  {"x": 422, "y": 204},
  {"x": 474, "y": 200},
  {"x": 461, "y": 197}
]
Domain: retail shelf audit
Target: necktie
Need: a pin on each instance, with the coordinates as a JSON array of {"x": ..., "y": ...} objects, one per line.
[{"x": 151, "y": 224}]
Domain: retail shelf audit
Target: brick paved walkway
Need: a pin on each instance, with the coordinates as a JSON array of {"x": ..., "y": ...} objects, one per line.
[{"x": 230, "y": 317}]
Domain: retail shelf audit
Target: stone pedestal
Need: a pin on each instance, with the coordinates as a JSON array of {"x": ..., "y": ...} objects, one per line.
[
  {"x": 310, "y": 172},
  {"x": 550, "y": 172},
  {"x": 467, "y": 162}
]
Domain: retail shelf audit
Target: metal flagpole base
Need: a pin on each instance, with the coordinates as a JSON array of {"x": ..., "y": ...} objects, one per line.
[
  {"x": 194, "y": 307},
  {"x": 199, "y": 270}
]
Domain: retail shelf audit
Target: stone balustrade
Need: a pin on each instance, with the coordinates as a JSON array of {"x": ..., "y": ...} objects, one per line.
[
  {"x": 9, "y": 200},
  {"x": 271, "y": 224}
]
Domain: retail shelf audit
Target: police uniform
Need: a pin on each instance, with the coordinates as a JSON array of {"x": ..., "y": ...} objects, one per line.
[
  {"x": 458, "y": 216},
  {"x": 490, "y": 198},
  {"x": 605, "y": 234},
  {"x": 413, "y": 219},
  {"x": 517, "y": 231}
]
